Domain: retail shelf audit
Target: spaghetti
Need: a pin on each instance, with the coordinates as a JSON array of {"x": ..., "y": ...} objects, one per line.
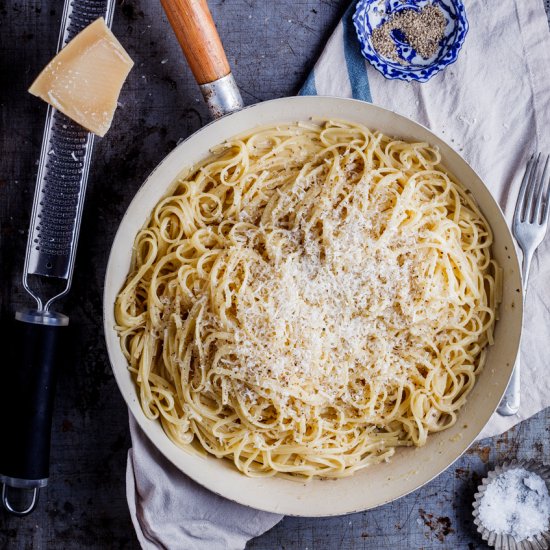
[{"x": 309, "y": 298}]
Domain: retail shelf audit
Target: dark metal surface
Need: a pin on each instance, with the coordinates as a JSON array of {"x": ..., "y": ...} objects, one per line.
[{"x": 271, "y": 46}]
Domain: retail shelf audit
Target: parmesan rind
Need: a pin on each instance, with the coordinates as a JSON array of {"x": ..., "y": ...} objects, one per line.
[{"x": 84, "y": 79}]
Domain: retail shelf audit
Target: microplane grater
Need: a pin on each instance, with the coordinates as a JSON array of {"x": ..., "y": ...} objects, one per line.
[
  {"x": 37, "y": 334},
  {"x": 63, "y": 169}
]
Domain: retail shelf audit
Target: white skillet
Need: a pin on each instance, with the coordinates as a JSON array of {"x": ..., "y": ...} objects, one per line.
[{"x": 410, "y": 468}]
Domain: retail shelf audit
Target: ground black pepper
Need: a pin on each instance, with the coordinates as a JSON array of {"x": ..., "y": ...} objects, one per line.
[{"x": 423, "y": 30}]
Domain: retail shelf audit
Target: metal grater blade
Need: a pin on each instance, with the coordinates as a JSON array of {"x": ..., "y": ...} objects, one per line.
[{"x": 63, "y": 169}]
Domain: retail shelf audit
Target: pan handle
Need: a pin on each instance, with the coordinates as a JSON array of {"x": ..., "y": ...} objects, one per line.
[{"x": 196, "y": 32}]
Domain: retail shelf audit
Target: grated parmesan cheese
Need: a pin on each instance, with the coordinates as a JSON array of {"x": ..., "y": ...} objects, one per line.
[{"x": 323, "y": 306}]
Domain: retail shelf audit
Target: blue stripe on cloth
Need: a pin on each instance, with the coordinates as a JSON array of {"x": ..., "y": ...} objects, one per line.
[
  {"x": 309, "y": 85},
  {"x": 355, "y": 61}
]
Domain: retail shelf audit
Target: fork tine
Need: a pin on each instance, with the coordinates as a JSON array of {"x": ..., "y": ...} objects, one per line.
[
  {"x": 539, "y": 193},
  {"x": 520, "y": 203},
  {"x": 546, "y": 210},
  {"x": 531, "y": 188}
]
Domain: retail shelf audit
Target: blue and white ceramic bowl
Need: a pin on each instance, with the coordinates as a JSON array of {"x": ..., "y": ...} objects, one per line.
[{"x": 370, "y": 14}]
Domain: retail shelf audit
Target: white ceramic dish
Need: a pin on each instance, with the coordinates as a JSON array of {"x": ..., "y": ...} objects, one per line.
[{"x": 410, "y": 468}]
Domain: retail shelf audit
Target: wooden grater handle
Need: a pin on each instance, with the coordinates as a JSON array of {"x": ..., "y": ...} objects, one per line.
[{"x": 195, "y": 30}]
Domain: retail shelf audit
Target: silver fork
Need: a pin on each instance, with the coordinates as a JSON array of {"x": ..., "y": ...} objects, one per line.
[{"x": 529, "y": 228}]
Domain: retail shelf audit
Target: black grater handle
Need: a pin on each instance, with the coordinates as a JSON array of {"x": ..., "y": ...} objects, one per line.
[{"x": 26, "y": 403}]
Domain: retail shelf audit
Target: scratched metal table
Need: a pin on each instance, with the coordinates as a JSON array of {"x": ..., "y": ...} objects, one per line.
[{"x": 271, "y": 46}]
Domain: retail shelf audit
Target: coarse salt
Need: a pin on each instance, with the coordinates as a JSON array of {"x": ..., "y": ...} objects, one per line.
[{"x": 516, "y": 503}]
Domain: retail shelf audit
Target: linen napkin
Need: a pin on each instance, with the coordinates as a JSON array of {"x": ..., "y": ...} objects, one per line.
[
  {"x": 170, "y": 511},
  {"x": 493, "y": 106}
]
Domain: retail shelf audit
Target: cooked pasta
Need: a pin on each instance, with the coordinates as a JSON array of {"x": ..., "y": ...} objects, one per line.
[{"x": 309, "y": 298}]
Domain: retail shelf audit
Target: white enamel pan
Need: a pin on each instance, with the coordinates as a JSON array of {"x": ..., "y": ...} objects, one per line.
[{"x": 410, "y": 468}]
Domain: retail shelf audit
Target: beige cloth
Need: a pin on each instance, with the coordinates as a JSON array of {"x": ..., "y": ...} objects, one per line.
[
  {"x": 170, "y": 511},
  {"x": 493, "y": 106}
]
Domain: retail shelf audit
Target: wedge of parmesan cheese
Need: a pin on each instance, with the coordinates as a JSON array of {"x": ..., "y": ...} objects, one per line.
[{"x": 84, "y": 79}]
